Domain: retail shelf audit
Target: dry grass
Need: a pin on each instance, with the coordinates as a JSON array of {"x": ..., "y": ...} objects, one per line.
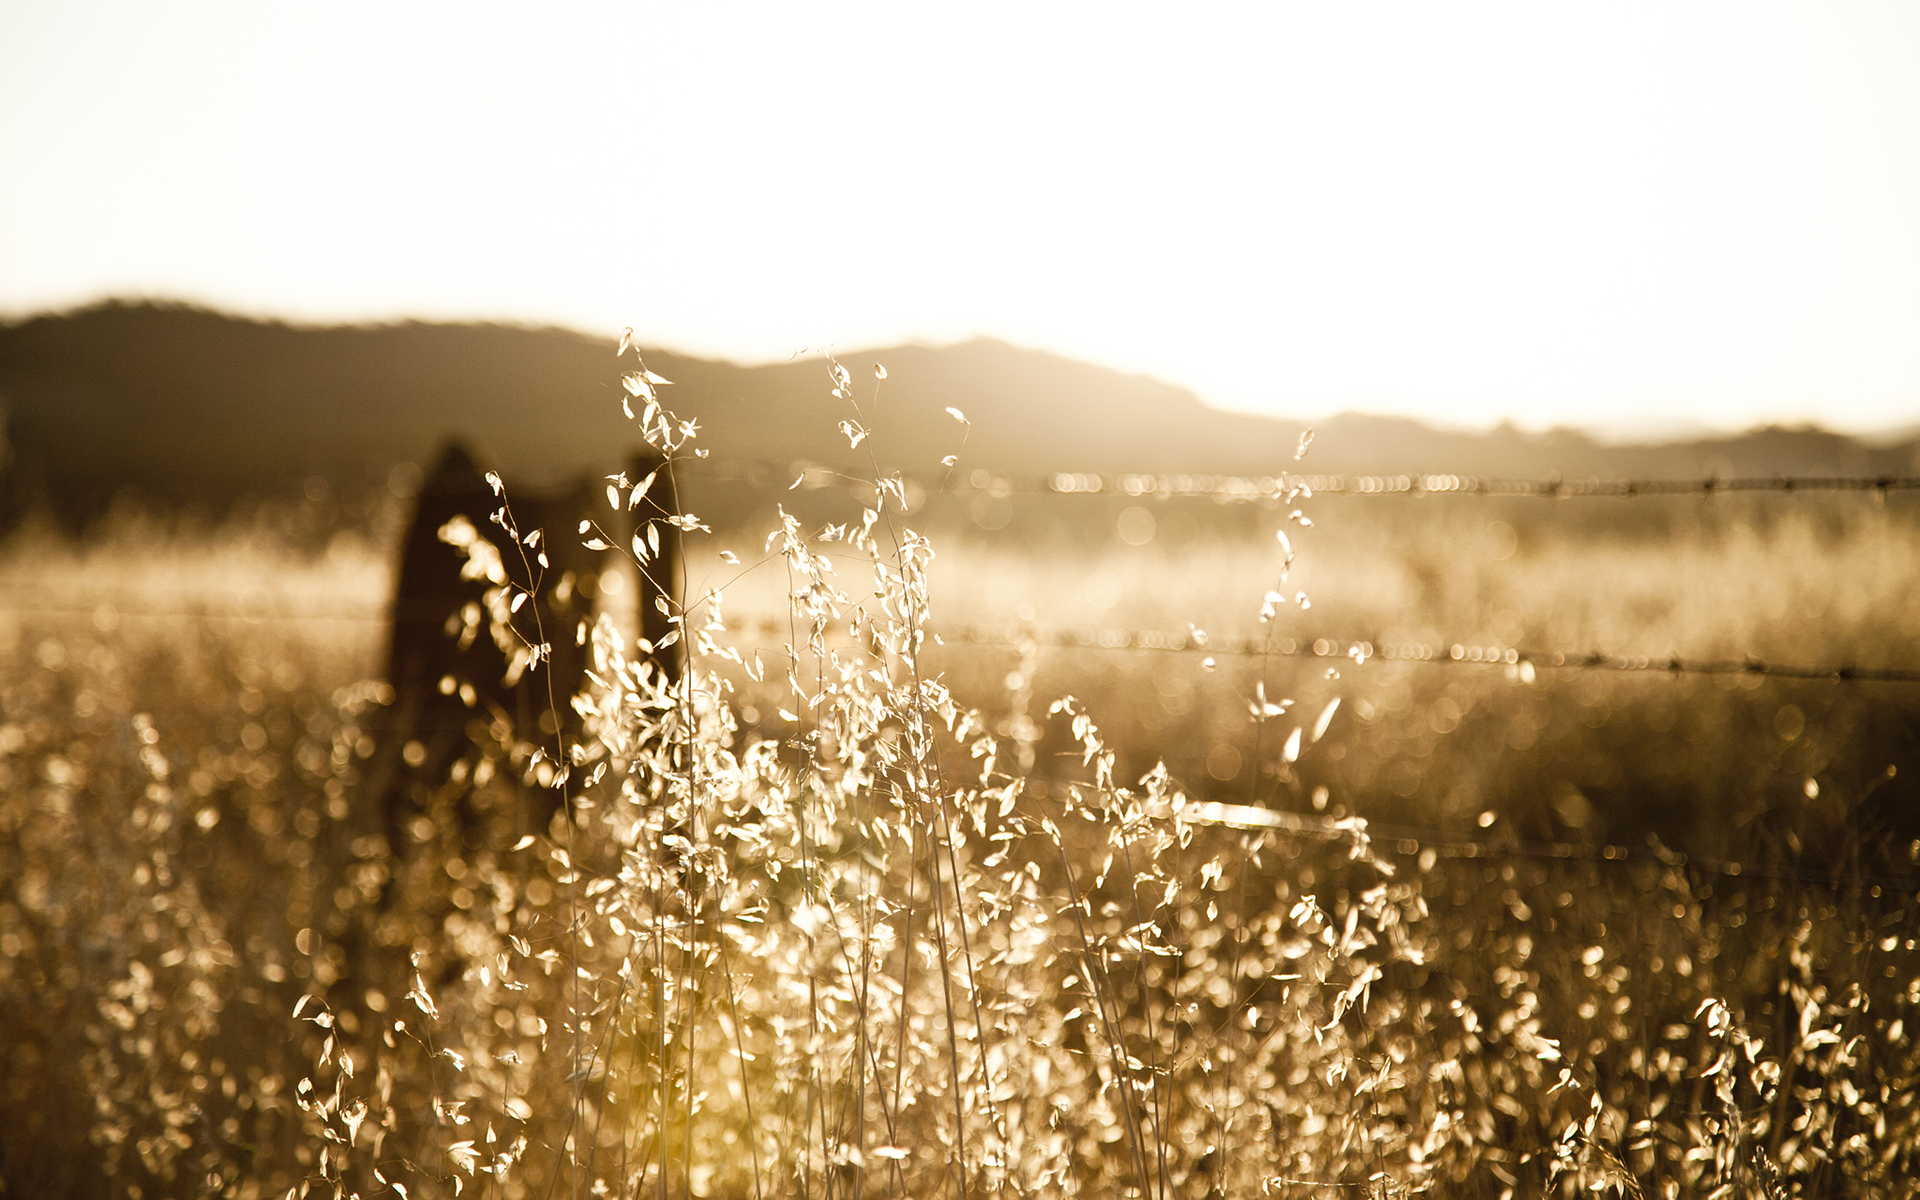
[{"x": 849, "y": 913}]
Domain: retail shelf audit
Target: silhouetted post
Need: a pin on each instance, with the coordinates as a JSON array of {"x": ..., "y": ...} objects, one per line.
[
  {"x": 426, "y": 729},
  {"x": 448, "y": 666}
]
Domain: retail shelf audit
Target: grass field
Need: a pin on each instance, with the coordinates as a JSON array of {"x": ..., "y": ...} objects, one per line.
[{"x": 875, "y": 915}]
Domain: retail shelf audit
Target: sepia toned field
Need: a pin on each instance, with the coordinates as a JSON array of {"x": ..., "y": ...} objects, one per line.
[{"x": 864, "y": 907}]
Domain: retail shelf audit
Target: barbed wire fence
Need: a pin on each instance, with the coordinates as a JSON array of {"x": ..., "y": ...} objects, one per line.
[
  {"x": 1286, "y": 486},
  {"x": 1408, "y": 841},
  {"x": 1523, "y": 664},
  {"x": 1523, "y": 661}
]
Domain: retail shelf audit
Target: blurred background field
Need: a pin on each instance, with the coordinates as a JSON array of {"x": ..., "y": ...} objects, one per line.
[
  {"x": 1591, "y": 754},
  {"x": 1794, "y": 580}
]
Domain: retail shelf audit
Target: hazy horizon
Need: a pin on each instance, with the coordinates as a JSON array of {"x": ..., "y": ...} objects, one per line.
[{"x": 1646, "y": 430}]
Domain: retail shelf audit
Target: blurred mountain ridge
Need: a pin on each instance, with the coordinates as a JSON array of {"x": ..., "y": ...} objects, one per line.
[{"x": 179, "y": 404}]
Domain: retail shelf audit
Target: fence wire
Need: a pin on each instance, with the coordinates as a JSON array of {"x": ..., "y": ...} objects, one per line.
[
  {"x": 1519, "y": 661},
  {"x": 1361, "y": 650},
  {"x": 1410, "y": 842},
  {"x": 1288, "y": 486}
]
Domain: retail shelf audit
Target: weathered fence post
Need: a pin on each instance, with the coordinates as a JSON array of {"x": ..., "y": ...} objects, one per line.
[{"x": 454, "y": 719}]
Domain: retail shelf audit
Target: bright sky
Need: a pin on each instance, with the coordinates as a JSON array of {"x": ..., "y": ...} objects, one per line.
[{"x": 1596, "y": 214}]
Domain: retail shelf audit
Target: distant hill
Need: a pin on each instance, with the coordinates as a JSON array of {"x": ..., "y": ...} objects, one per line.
[{"x": 181, "y": 405}]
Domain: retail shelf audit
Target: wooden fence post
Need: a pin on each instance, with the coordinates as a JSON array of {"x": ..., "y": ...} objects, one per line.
[{"x": 451, "y": 702}]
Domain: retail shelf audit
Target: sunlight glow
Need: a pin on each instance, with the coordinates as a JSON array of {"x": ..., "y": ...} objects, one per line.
[{"x": 1475, "y": 212}]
